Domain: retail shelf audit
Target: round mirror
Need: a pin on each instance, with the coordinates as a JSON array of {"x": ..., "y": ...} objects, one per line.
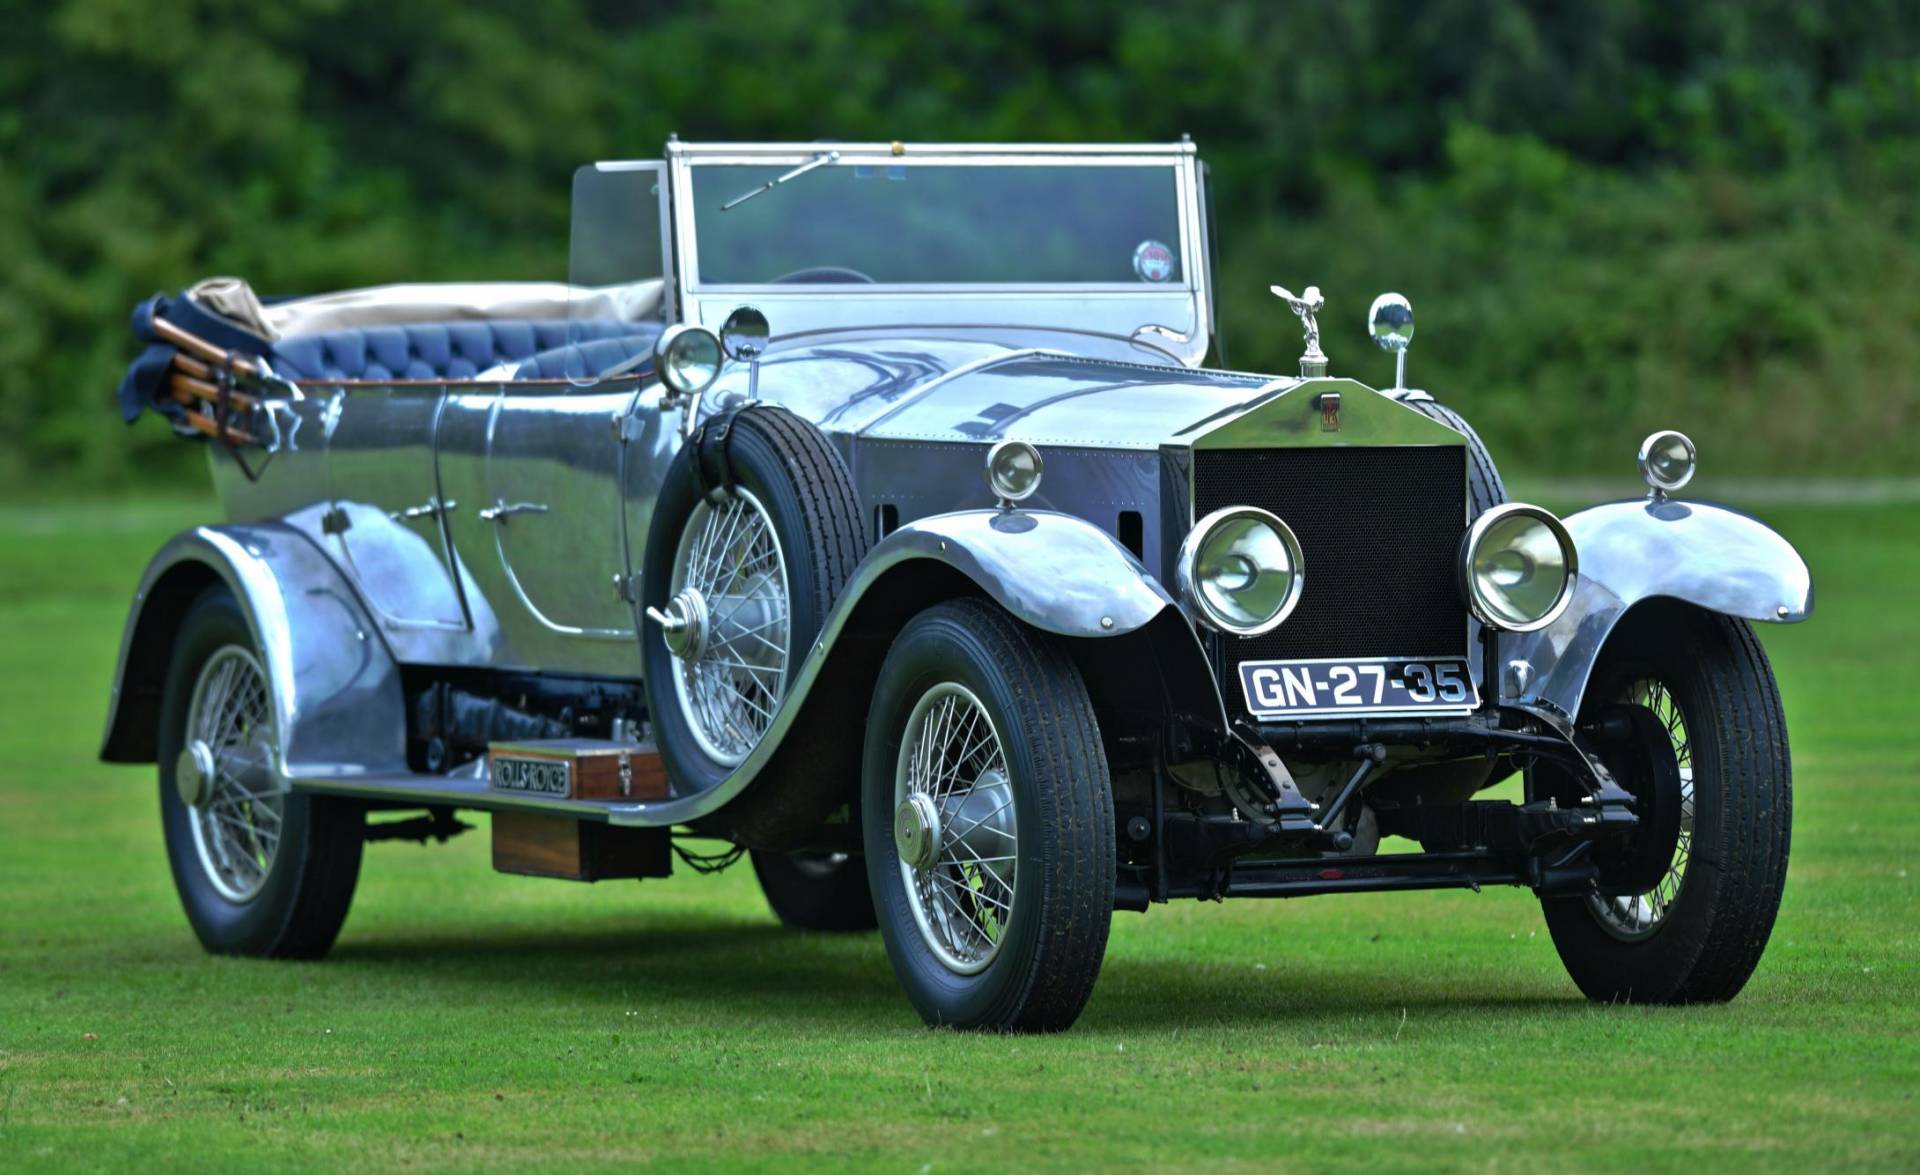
[
  {"x": 1390, "y": 318},
  {"x": 744, "y": 334}
]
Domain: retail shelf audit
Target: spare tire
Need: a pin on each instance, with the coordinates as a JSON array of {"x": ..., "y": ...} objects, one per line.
[
  {"x": 1483, "y": 479},
  {"x": 754, "y": 535},
  {"x": 1458, "y": 780}
]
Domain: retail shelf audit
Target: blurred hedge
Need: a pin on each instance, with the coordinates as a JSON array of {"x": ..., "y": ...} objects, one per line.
[{"x": 1609, "y": 217}]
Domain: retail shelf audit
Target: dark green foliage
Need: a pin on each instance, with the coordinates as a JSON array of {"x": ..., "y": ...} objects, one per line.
[{"x": 1609, "y": 217}]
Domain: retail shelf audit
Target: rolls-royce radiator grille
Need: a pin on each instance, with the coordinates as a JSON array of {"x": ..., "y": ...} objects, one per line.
[{"x": 1380, "y": 529}]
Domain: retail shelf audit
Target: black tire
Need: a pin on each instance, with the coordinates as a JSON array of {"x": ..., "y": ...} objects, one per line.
[
  {"x": 814, "y": 891},
  {"x": 299, "y": 908},
  {"x": 793, "y": 470},
  {"x": 1714, "y": 928},
  {"x": 1460, "y": 779},
  {"x": 1483, "y": 477},
  {"x": 1055, "y": 935}
]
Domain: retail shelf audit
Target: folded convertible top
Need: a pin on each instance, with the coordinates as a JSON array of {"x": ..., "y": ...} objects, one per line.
[{"x": 198, "y": 340}]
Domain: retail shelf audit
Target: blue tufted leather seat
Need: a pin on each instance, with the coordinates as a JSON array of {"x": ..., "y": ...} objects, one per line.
[
  {"x": 461, "y": 350},
  {"x": 577, "y": 360}
]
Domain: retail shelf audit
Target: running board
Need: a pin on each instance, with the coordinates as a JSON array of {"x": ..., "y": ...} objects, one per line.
[{"x": 585, "y": 779}]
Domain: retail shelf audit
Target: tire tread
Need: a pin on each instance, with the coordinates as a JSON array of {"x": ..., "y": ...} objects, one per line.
[
  {"x": 1718, "y": 928},
  {"x": 1483, "y": 477}
]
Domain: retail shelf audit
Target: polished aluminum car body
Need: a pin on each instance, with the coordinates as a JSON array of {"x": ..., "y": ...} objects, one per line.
[{"x": 492, "y": 529}]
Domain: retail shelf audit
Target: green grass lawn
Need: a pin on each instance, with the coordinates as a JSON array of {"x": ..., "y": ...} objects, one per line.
[{"x": 470, "y": 1019}]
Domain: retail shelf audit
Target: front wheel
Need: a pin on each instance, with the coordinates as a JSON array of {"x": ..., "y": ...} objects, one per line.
[
  {"x": 988, "y": 820},
  {"x": 1692, "y": 926}
]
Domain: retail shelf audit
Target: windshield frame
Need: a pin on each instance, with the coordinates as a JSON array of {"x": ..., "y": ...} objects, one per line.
[{"x": 1181, "y": 304}]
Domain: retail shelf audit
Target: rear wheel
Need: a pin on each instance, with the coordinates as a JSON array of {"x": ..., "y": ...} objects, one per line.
[
  {"x": 816, "y": 891},
  {"x": 988, "y": 819},
  {"x": 260, "y": 870},
  {"x": 1691, "y": 925}
]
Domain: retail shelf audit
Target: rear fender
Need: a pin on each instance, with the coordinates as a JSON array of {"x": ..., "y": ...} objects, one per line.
[
  {"x": 1706, "y": 555},
  {"x": 336, "y": 688}
]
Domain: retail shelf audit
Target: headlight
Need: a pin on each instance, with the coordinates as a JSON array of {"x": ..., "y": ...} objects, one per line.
[
  {"x": 1667, "y": 460},
  {"x": 1014, "y": 470},
  {"x": 1517, "y": 567},
  {"x": 1242, "y": 571},
  {"x": 687, "y": 358}
]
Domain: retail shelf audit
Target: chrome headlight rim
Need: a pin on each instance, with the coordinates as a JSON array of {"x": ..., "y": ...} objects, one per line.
[
  {"x": 1654, "y": 441},
  {"x": 996, "y": 470},
  {"x": 1470, "y": 545},
  {"x": 675, "y": 338},
  {"x": 1196, "y": 600}
]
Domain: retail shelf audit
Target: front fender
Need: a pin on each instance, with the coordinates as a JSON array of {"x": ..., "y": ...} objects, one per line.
[
  {"x": 1707, "y": 555},
  {"x": 1056, "y": 572},
  {"x": 336, "y": 688}
]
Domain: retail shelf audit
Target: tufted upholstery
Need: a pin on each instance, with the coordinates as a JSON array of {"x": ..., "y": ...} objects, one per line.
[
  {"x": 457, "y": 350},
  {"x": 588, "y": 358}
]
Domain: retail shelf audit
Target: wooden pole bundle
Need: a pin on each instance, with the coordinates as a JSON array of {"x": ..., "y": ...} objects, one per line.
[{"x": 191, "y": 382}]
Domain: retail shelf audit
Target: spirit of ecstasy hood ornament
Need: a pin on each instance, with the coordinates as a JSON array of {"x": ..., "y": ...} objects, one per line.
[{"x": 1313, "y": 361}]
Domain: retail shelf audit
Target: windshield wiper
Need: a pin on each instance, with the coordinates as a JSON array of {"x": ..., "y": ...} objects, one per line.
[{"x": 804, "y": 168}]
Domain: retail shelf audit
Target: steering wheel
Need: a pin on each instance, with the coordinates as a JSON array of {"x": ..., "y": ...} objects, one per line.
[{"x": 823, "y": 275}]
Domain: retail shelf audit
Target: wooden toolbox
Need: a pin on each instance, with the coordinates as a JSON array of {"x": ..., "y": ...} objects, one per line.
[
  {"x": 546, "y": 844},
  {"x": 542, "y": 845},
  {"x": 577, "y": 769}
]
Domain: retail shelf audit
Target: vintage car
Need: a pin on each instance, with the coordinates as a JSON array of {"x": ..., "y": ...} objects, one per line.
[{"x": 869, "y": 508}]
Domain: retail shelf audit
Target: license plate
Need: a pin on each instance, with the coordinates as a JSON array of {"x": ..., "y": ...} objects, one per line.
[
  {"x": 540, "y": 777},
  {"x": 1362, "y": 685}
]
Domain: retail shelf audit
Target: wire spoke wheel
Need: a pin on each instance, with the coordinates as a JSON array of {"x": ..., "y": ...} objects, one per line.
[
  {"x": 956, "y": 828},
  {"x": 238, "y": 812},
  {"x": 1635, "y": 916},
  {"x": 730, "y": 595}
]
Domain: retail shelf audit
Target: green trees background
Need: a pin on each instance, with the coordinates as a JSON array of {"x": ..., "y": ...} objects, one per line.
[{"x": 1609, "y": 216}]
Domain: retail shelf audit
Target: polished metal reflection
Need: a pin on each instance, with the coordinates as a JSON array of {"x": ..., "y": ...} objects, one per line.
[
  {"x": 238, "y": 808},
  {"x": 729, "y": 625},
  {"x": 498, "y": 527},
  {"x": 1013, "y": 471},
  {"x": 687, "y": 358},
  {"x": 1390, "y": 321},
  {"x": 1313, "y": 361},
  {"x": 1518, "y": 567},
  {"x": 1059, "y": 574},
  {"x": 1667, "y": 460},
  {"x": 1696, "y": 552},
  {"x": 745, "y": 334},
  {"x": 1241, "y": 570},
  {"x": 956, "y": 827}
]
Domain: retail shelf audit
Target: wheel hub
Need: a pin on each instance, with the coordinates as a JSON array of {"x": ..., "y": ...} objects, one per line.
[
  {"x": 683, "y": 624},
  {"x": 1645, "y": 763},
  {"x": 982, "y": 819},
  {"x": 236, "y": 803},
  {"x": 1641, "y": 881},
  {"x": 728, "y": 625},
  {"x": 193, "y": 773},
  {"x": 916, "y": 832}
]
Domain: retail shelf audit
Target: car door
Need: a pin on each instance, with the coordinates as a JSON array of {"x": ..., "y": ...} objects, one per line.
[
  {"x": 554, "y": 455},
  {"x": 387, "y": 514},
  {"x": 552, "y": 470}
]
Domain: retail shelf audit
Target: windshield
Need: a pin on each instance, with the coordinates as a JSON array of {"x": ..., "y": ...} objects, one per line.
[{"x": 920, "y": 224}]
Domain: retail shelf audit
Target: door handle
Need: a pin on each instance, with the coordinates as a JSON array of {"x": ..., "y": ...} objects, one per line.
[
  {"x": 429, "y": 509},
  {"x": 501, "y": 511}
]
